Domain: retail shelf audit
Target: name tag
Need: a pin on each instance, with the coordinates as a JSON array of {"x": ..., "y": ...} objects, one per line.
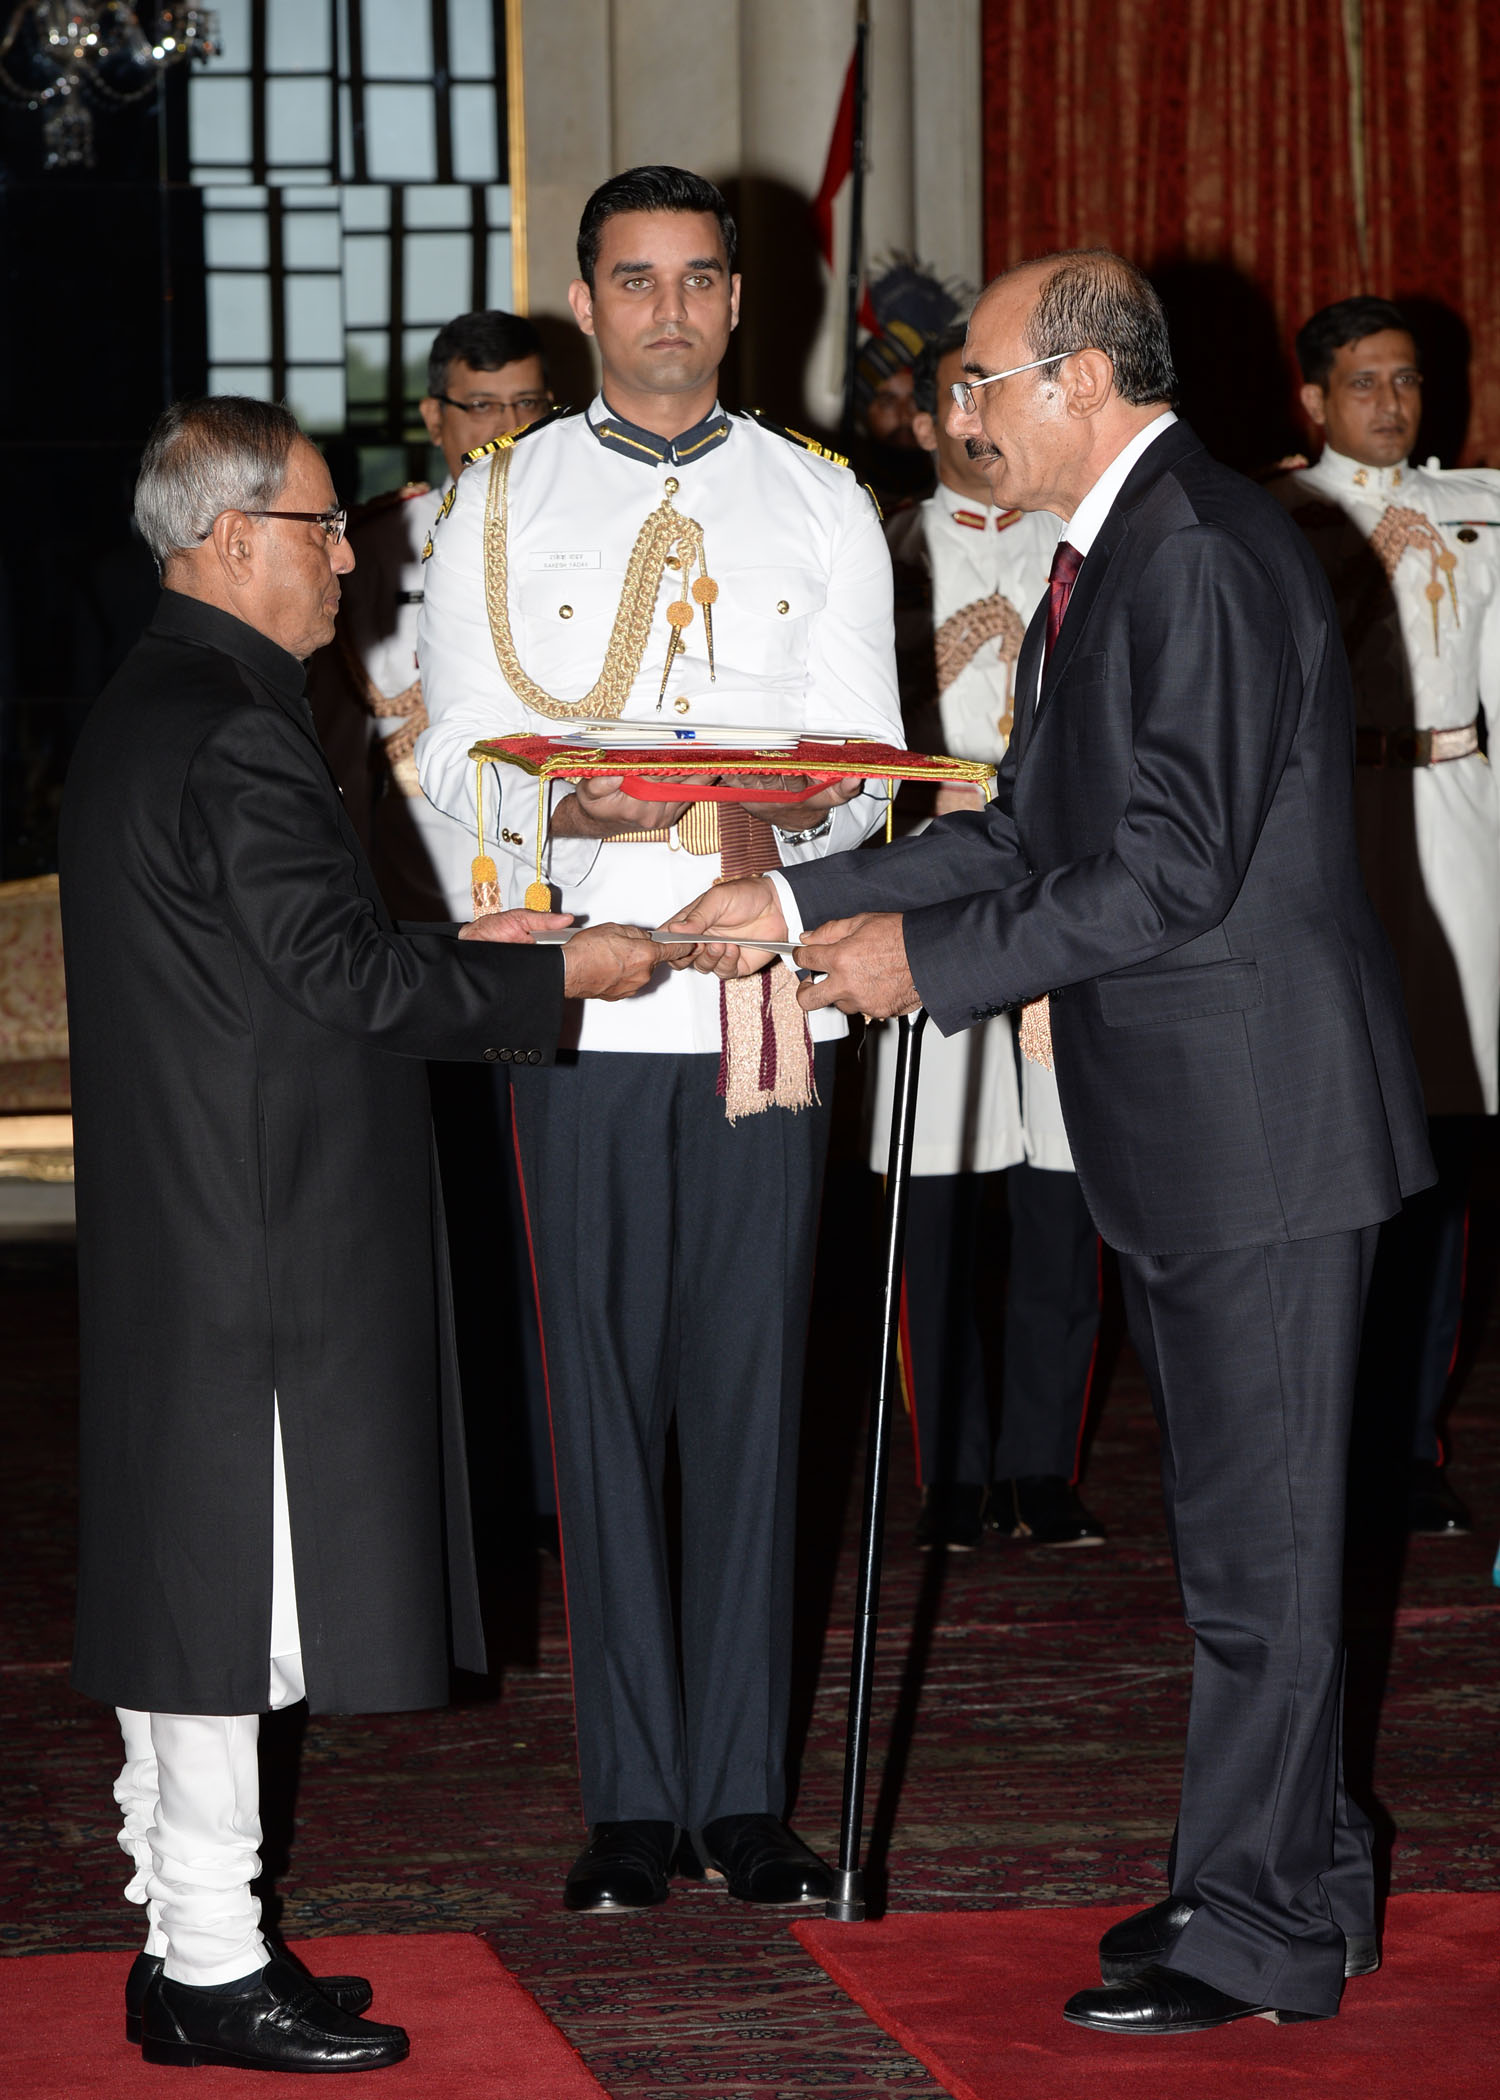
[{"x": 565, "y": 558}]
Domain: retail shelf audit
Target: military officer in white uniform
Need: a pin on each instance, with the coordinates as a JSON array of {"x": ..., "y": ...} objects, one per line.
[
  {"x": 485, "y": 376},
  {"x": 1413, "y": 556},
  {"x": 546, "y": 603},
  {"x": 968, "y": 578}
]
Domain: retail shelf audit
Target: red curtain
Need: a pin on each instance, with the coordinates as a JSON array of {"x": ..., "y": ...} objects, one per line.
[{"x": 1261, "y": 158}]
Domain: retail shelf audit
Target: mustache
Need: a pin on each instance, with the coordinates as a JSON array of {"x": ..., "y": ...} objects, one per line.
[{"x": 981, "y": 448}]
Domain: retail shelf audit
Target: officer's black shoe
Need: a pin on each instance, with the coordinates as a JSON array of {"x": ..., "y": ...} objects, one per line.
[
  {"x": 952, "y": 1516},
  {"x": 622, "y": 1867},
  {"x": 283, "y": 2023},
  {"x": 1136, "y": 1943},
  {"x": 351, "y": 1994},
  {"x": 759, "y": 1859},
  {"x": 1433, "y": 1510},
  {"x": 1045, "y": 1511},
  {"x": 1165, "y": 2001}
]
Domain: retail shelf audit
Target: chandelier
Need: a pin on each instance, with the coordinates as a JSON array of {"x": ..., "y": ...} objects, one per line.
[{"x": 58, "y": 56}]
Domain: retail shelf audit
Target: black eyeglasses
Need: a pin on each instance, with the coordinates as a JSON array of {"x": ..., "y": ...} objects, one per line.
[
  {"x": 524, "y": 404},
  {"x": 334, "y": 522}
]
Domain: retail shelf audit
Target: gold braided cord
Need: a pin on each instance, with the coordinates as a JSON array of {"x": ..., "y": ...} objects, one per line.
[{"x": 605, "y": 700}]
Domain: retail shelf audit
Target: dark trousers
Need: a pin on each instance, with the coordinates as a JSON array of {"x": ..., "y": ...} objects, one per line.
[
  {"x": 1051, "y": 1319},
  {"x": 1250, "y": 1356},
  {"x": 1416, "y": 1300},
  {"x": 674, "y": 1258}
]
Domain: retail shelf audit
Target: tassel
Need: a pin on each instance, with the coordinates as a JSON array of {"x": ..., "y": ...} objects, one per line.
[
  {"x": 484, "y": 885},
  {"x": 765, "y": 1058}
]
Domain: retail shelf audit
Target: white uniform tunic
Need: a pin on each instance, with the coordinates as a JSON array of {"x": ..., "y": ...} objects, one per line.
[
  {"x": 802, "y": 639},
  {"x": 1429, "y": 835},
  {"x": 971, "y": 1116},
  {"x": 382, "y": 598}
]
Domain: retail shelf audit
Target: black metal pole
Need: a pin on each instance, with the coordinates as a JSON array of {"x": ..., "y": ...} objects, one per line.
[
  {"x": 855, "y": 272},
  {"x": 848, "y": 1902}
]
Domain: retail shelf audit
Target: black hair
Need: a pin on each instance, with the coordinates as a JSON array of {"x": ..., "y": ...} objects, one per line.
[
  {"x": 1332, "y": 327},
  {"x": 483, "y": 341},
  {"x": 1093, "y": 299},
  {"x": 925, "y": 371},
  {"x": 650, "y": 189}
]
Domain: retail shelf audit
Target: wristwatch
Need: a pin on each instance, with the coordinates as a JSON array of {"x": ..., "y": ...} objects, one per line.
[{"x": 803, "y": 838}]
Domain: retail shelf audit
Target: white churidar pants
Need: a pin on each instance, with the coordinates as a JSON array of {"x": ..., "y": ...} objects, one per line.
[{"x": 189, "y": 1796}]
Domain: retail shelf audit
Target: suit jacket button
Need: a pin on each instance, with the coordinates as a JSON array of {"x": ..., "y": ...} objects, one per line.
[{"x": 533, "y": 1057}]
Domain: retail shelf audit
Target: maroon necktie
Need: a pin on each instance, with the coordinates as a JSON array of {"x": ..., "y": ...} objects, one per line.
[{"x": 1066, "y": 562}]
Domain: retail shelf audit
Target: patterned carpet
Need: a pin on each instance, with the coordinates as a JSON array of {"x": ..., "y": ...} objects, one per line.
[{"x": 1030, "y": 1714}]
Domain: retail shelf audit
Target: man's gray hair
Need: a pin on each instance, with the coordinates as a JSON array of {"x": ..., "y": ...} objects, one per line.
[
  {"x": 213, "y": 453},
  {"x": 1092, "y": 299}
]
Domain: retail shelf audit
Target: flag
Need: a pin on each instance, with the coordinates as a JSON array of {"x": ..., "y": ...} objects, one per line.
[{"x": 839, "y": 164}]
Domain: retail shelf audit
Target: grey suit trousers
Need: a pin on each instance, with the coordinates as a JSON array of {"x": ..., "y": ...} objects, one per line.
[{"x": 1250, "y": 1355}]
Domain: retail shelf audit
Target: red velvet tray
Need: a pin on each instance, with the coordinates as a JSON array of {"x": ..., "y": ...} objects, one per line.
[{"x": 654, "y": 772}]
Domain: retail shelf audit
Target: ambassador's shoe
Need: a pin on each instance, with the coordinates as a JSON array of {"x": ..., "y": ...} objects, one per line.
[
  {"x": 1433, "y": 1510},
  {"x": 1044, "y": 1510},
  {"x": 283, "y": 2024},
  {"x": 1136, "y": 1943},
  {"x": 952, "y": 1516},
  {"x": 351, "y": 1994},
  {"x": 760, "y": 1860},
  {"x": 1166, "y": 2001},
  {"x": 623, "y": 1866}
]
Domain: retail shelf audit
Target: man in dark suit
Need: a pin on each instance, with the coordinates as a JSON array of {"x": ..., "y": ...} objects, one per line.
[
  {"x": 1170, "y": 861},
  {"x": 271, "y": 1453}
]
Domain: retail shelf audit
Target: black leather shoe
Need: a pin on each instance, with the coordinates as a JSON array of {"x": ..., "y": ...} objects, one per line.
[
  {"x": 1433, "y": 1510},
  {"x": 622, "y": 1867},
  {"x": 284, "y": 2024},
  {"x": 1166, "y": 2001},
  {"x": 1135, "y": 1943},
  {"x": 759, "y": 1859},
  {"x": 952, "y": 1516},
  {"x": 1045, "y": 1511},
  {"x": 351, "y": 1994}
]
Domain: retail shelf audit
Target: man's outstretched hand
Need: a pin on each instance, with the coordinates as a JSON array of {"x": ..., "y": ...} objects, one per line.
[
  {"x": 860, "y": 967},
  {"x": 600, "y": 962},
  {"x": 743, "y": 910},
  {"x": 518, "y": 925},
  {"x": 609, "y": 962}
]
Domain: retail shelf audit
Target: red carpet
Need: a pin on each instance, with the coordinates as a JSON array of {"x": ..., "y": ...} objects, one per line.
[
  {"x": 475, "y": 2033},
  {"x": 977, "y": 1996}
]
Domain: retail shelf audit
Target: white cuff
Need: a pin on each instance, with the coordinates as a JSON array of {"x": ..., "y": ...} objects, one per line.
[{"x": 788, "y": 905}]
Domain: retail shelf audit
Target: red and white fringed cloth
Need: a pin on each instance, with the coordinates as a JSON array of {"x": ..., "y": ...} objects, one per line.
[{"x": 765, "y": 1045}]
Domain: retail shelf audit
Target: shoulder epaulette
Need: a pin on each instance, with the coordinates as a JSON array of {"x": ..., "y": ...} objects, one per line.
[
  {"x": 514, "y": 437},
  {"x": 795, "y": 437},
  {"x": 388, "y": 499}
]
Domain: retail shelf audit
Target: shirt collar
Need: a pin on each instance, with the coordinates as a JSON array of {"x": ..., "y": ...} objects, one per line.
[
  {"x": 963, "y": 510},
  {"x": 1082, "y": 529},
  {"x": 1353, "y": 476},
  {"x": 628, "y": 439},
  {"x": 190, "y": 620}
]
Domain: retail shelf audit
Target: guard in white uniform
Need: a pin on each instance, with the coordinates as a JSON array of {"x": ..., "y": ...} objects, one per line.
[
  {"x": 485, "y": 376},
  {"x": 643, "y": 1195},
  {"x": 1413, "y": 558},
  {"x": 967, "y": 579}
]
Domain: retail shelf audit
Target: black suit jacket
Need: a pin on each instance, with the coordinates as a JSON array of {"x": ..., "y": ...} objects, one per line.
[
  {"x": 255, "y": 1196},
  {"x": 1170, "y": 855}
]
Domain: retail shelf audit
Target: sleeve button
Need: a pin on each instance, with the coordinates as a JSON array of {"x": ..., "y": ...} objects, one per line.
[
  {"x": 490, "y": 1056},
  {"x": 533, "y": 1057}
]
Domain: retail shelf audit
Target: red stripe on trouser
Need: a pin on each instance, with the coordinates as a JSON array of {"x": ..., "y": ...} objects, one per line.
[
  {"x": 907, "y": 1372},
  {"x": 541, "y": 1330},
  {"x": 1088, "y": 1383}
]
